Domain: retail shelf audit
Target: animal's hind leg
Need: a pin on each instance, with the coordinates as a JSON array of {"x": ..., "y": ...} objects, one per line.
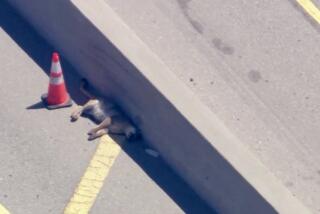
[
  {"x": 103, "y": 125},
  {"x": 97, "y": 134},
  {"x": 125, "y": 128}
]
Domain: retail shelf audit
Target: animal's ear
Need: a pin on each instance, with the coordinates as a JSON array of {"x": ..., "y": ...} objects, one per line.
[{"x": 135, "y": 136}]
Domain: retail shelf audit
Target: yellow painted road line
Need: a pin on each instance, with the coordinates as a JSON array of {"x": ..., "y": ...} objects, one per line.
[
  {"x": 93, "y": 179},
  {"x": 3, "y": 210},
  {"x": 311, "y": 9}
]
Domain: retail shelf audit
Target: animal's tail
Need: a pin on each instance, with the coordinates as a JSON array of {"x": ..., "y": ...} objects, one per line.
[{"x": 83, "y": 88}]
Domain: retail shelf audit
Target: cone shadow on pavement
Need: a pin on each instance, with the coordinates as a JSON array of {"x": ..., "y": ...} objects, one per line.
[
  {"x": 38, "y": 49},
  {"x": 38, "y": 105}
]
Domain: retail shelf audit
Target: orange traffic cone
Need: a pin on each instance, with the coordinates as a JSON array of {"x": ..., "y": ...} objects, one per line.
[{"x": 57, "y": 96}]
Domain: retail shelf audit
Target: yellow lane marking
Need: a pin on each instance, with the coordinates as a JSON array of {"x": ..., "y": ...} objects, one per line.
[
  {"x": 3, "y": 210},
  {"x": 93, "y": 179},
  {"x": 311, "y": 9}
]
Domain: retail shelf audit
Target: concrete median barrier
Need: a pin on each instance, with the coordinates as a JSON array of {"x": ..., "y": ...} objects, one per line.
[{"x": 186, "y": 133}]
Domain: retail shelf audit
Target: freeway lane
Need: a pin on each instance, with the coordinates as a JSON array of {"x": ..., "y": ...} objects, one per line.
[
  {"x": 311, "y": 9},
  {"x": 3, "y": 210},
  {"x": 256, "y": 65},
  {"x": 43, "y": 155}
]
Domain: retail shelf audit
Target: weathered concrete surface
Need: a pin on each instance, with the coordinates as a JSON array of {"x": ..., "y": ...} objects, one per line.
[
  {"x": 225, "y": 174},
  {"x": 256, "y": 65}
]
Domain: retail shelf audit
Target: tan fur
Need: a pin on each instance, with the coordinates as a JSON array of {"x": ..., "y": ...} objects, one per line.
[{"x": 114, "y": 122}]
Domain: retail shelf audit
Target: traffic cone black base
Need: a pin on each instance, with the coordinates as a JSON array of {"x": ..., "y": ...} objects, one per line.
[{"x": 66, "y": 104}]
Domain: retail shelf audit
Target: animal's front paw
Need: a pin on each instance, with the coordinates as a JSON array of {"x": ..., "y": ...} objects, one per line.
[{"x": 74, "y": 117}]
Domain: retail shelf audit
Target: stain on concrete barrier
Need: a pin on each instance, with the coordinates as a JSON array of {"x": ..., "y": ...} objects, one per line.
[
  {"x": 222, "y": 46},
  {"x": 254, "y": 76}
]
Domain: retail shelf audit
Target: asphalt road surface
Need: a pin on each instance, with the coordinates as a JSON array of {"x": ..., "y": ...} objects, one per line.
[
  {"x": 43, "y": 155},
  {"x": 256, "y": 65}
]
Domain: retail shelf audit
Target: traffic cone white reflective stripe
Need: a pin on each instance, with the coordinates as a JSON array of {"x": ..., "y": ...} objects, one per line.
[
  {"x": 56, "y": 67},
  {"x": 56, "y": 76},
  {"x": 56, "y": 80}
]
